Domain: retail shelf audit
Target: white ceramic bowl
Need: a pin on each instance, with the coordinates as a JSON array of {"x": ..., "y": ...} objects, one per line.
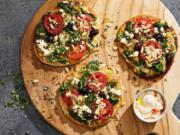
[{"x": 149, "y": 120}]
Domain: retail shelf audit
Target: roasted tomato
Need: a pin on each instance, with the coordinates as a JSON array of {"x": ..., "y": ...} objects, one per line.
[
  {"x": 68, "y": 99},
  {"x": 53, "y": 23},
  {"x": 97, "y": 81},
  {"x": 152, "y": 43},
  {"x": 85, "y": 20},
  {"x": 105, "y": 112},
  {"x": 78, "y": 52}
]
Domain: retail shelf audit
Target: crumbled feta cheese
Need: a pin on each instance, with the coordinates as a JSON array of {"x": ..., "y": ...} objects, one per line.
[
  {"x": 156, "y": 30},
  {"x": 127, "y": 33},
  {"x": 151, "y": 53},
  {"x": 136, "y": 30},
  {"x": 68, "y": 94},
  {"x": 116, "y": 92},
  {"x": 81, "y": 48},
  {"x": 102, "y": 65},
  {"x": 124, "y": 40},
  {"x": 131, "y": 35},
  {"x": 80, "y": 109},
  {"x": 147, "y": 30},
  {"x": 135, "y": 54},
  {"x": 164, "y": 34},
  {"x": 75, "y": 80},
  {"x": 65, "y": 2},
  {"x": 162, "y": 29},
  {"x": 41, "y": 45},
  {"x": 66, "y": 69},
  {"x": 100, "y": 105}
]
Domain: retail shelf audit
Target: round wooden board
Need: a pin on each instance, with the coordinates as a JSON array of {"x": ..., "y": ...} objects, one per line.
[{"x": 118, "y": 11}]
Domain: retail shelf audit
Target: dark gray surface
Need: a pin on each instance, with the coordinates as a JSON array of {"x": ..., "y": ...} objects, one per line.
[{"x": 14, "y": 18}]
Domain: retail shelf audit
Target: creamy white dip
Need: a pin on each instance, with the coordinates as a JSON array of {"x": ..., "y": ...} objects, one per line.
[{"x": 149, "y": 105}]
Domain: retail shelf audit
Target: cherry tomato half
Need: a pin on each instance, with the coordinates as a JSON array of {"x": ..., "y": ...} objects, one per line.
[
  {"x": 53, "y": 23},
  {"x": 68, "y": 99},
  {"x": 78, "y": 52},
  {"x": 97, "y": 81},
  {"x": 86, "y": 20},
  {"x": 105, "y": 112},
  {"x": 139, "y": 21},
  {"x": 149, "y": 43}
]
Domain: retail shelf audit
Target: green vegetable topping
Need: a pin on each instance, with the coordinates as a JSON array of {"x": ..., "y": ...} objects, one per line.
[
  {"x": 129, "y": 26},
  {"x": 113, "y": 99},
  {"x": 82, "y": 81},
  {"x": 93, "y": 65},
  {"x": 67, "y": 7},
  {"x": 54, "y": 58},
  {"x": 66, "y": 86},
  {"x": 161, "y": 24},
  {"x": 121, "y": 35},
  {"x": 127, "y": 53},
  {"x": 75, "y": 37},
  {"x": 89, "y": 100},
  {"x": 40, "y": 30},
  {"x": 158, "y": 67},
  {"x": 111, "y": 85}
]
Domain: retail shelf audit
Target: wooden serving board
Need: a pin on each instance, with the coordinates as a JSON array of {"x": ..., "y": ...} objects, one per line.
[{"x": 118, "y": 11}]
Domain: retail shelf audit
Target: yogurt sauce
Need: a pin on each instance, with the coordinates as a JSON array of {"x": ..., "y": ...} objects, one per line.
[{"x": 149, "y": 105}]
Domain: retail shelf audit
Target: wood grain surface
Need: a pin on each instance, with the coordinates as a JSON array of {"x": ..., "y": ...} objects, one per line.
[{"x": 118, "y": 11}]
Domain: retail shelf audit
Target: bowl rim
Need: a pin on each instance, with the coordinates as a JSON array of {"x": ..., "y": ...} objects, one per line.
[{"x": 163, "y": 98}]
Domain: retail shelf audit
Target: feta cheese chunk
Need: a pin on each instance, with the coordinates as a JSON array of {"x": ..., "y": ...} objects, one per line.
[
  {"x": 42, "y": 46},
  {"x": 116, "y": 92}
]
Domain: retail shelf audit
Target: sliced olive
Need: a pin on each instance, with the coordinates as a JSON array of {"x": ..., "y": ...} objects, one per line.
[
  {"x": 101, "y": 94},
  {"x": 88, "y": 115},
  {"x": 159, "y": 37},
  {"x": 48, "y": 38},
  {"x": 138, "y": 46},
  {"x": 69, "y": 27},
  {"x": 84, "y": 91},
  {"x": 93, "y": 33},
  {"x": 169, "y": 58}
]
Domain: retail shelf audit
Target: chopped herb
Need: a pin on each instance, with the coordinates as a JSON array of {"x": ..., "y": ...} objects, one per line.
[
  {"x": 65, "y": 86},
  {"x": 113, "y": 99},
  {"x": 58, "y": 59},
  {"x": 60, "y": 50},
  {"x": 82, "y": 81},
  {"x": 129, "y": 26},
  {"x": 158, "y": 67},
  {"x": 127, "y": 53},
  {"x": 93, "y": 65},
  {"x": 75, "y": 37},
  {"x": 67, "y": 8},
  {"x": 111, "y": 85},
  {"x": 89, "y": 100},
  {"x": 121, "y": 35},
  {"x": 161, "y": 24},
  {"x": 16, "y": 101},
  {"x": 40, "y": 30}
]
